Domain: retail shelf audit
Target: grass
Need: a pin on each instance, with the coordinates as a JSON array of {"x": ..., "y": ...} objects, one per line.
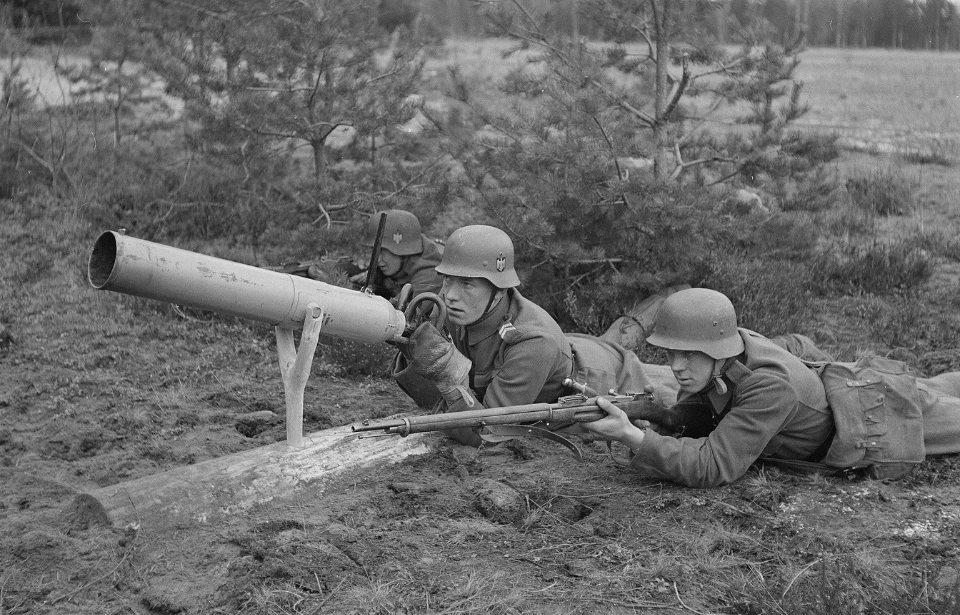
[
  {"x": 879, "y": 267},
  {"x": 905, "y": 92},
  {"x": 883, "y": 192}
]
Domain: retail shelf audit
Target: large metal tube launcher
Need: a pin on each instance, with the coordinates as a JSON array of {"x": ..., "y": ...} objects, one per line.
[{"x": 164, "y": 273}]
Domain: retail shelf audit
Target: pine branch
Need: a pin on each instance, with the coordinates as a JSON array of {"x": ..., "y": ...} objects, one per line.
[{"x": 681, "y": 88}]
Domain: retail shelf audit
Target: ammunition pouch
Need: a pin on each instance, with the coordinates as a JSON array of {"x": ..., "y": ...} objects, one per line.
[{"x": 419, "y": 389}]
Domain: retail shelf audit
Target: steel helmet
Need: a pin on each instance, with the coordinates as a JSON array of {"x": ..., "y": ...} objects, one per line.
[
  {"x": 480, "y": 251},
  {"x": 698, "y": 319},
  {"x": 401, "y": 232}
]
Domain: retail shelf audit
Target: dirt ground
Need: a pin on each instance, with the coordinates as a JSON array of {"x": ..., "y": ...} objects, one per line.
[{"x": 101, "y": 389}]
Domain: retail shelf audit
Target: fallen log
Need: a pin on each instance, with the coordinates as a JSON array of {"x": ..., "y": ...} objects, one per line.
[{"x": 212, "y": 489}]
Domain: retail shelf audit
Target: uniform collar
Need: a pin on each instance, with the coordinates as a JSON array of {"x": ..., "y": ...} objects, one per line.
[
  {"x": 733, "y": 374},
  {"x": 490, "y": 323}
]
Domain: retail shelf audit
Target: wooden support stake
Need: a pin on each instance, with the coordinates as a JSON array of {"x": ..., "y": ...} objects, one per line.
[{"x": 295, "y": 365}]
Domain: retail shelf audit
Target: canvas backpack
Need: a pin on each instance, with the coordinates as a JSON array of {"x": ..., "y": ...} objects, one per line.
[{"x": 878, "y": 419}]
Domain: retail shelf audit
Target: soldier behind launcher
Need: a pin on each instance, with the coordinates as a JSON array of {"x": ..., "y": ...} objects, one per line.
[{"x": 407, "y": 256}]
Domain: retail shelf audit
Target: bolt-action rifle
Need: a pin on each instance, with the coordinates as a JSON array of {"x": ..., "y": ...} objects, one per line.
[
  {"x": 314, "y": 268},
  {"x": 690, "y": 419}
]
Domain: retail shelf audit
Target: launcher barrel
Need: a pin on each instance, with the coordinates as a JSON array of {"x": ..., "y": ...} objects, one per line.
[{"x": 163, "y": 273}]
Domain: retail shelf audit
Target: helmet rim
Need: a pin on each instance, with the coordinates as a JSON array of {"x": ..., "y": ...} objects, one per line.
[
  {"x": 698, "y": 319},
  {"x": 480, "y": 251},
  {"x": 401, "y": 232}
]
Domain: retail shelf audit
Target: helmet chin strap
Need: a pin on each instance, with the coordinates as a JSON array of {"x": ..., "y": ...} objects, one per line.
[
  {"x": 719, "y": 368},
  {"x": 494, "y": 300}
]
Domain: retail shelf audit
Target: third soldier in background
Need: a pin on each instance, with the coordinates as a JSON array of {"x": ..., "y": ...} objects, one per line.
[{"x": 407, "y": 256}]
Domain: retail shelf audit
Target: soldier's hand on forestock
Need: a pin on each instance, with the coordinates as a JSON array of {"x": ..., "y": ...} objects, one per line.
[{"x": 435, "y": 358}]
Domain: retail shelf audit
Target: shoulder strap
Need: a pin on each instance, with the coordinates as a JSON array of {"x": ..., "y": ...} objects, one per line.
[{"x": 737, "y": 371}]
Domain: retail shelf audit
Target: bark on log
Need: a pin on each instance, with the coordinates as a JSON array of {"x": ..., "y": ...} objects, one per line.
[
  {"x": 208, "y": 491},
  {"x": 212, "y": 489}
]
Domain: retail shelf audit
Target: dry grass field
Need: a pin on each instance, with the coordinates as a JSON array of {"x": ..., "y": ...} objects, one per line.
[{"x": 98, "y": 389}]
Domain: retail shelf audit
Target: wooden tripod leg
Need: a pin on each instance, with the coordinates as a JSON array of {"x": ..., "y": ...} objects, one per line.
[{"x": 295, "y": 367}]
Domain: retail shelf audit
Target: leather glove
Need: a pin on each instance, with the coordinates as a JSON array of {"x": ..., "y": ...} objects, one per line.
[{"x": 436, "y": 358}]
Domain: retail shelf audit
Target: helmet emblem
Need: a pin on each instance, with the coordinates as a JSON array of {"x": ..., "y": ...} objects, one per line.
[
  {"x": 501, "y": 262},
  {"x": 397, "y": 238}
]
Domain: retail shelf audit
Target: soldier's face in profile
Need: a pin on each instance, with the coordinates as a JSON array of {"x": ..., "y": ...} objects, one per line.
[
  {"x": 692, "y": 369},
  {"x": 466, "y": 298},
  {"x": 389, "y": 263}
]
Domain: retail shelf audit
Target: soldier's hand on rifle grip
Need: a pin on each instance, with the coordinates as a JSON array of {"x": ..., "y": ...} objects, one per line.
[
  {"x": 615, "y": 426},
  {"x": 653, "y": 396}
]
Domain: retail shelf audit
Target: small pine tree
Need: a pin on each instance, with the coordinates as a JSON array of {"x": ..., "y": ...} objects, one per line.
[
  {"x": 258, "y": 73},
  {"x": 600, "y": 166}
]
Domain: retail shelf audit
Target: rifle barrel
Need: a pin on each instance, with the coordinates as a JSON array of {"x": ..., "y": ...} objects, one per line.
[{"x": 510, "y": 415}]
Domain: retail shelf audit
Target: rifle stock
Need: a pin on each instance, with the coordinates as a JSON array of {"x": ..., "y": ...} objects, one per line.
[{"x": 683, "y": 419}]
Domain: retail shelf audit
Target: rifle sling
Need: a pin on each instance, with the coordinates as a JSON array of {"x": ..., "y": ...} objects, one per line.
[{"x": 502, "y": 433}]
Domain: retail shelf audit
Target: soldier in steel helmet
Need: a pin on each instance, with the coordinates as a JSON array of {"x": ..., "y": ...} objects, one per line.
[
  {"x": 767, "y": 404},
  {"x": 500, "y": 348},
  {"x": 407, "y": 256}
]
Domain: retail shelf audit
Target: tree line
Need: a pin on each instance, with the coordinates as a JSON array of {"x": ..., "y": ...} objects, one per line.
[{"x": 898, "y": 24}]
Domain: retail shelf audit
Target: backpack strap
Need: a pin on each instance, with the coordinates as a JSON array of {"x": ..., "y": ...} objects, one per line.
[{"x": 736, "y": 371}]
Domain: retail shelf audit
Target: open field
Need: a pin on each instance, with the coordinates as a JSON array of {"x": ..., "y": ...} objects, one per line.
[
  {"x": 894, "y": 99},
  {"x": 99, "y": 389},
  {"x": 883, "y": 101}
]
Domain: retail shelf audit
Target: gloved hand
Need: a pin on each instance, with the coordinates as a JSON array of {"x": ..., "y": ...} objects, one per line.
[{"x": 436, "y": 358}]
